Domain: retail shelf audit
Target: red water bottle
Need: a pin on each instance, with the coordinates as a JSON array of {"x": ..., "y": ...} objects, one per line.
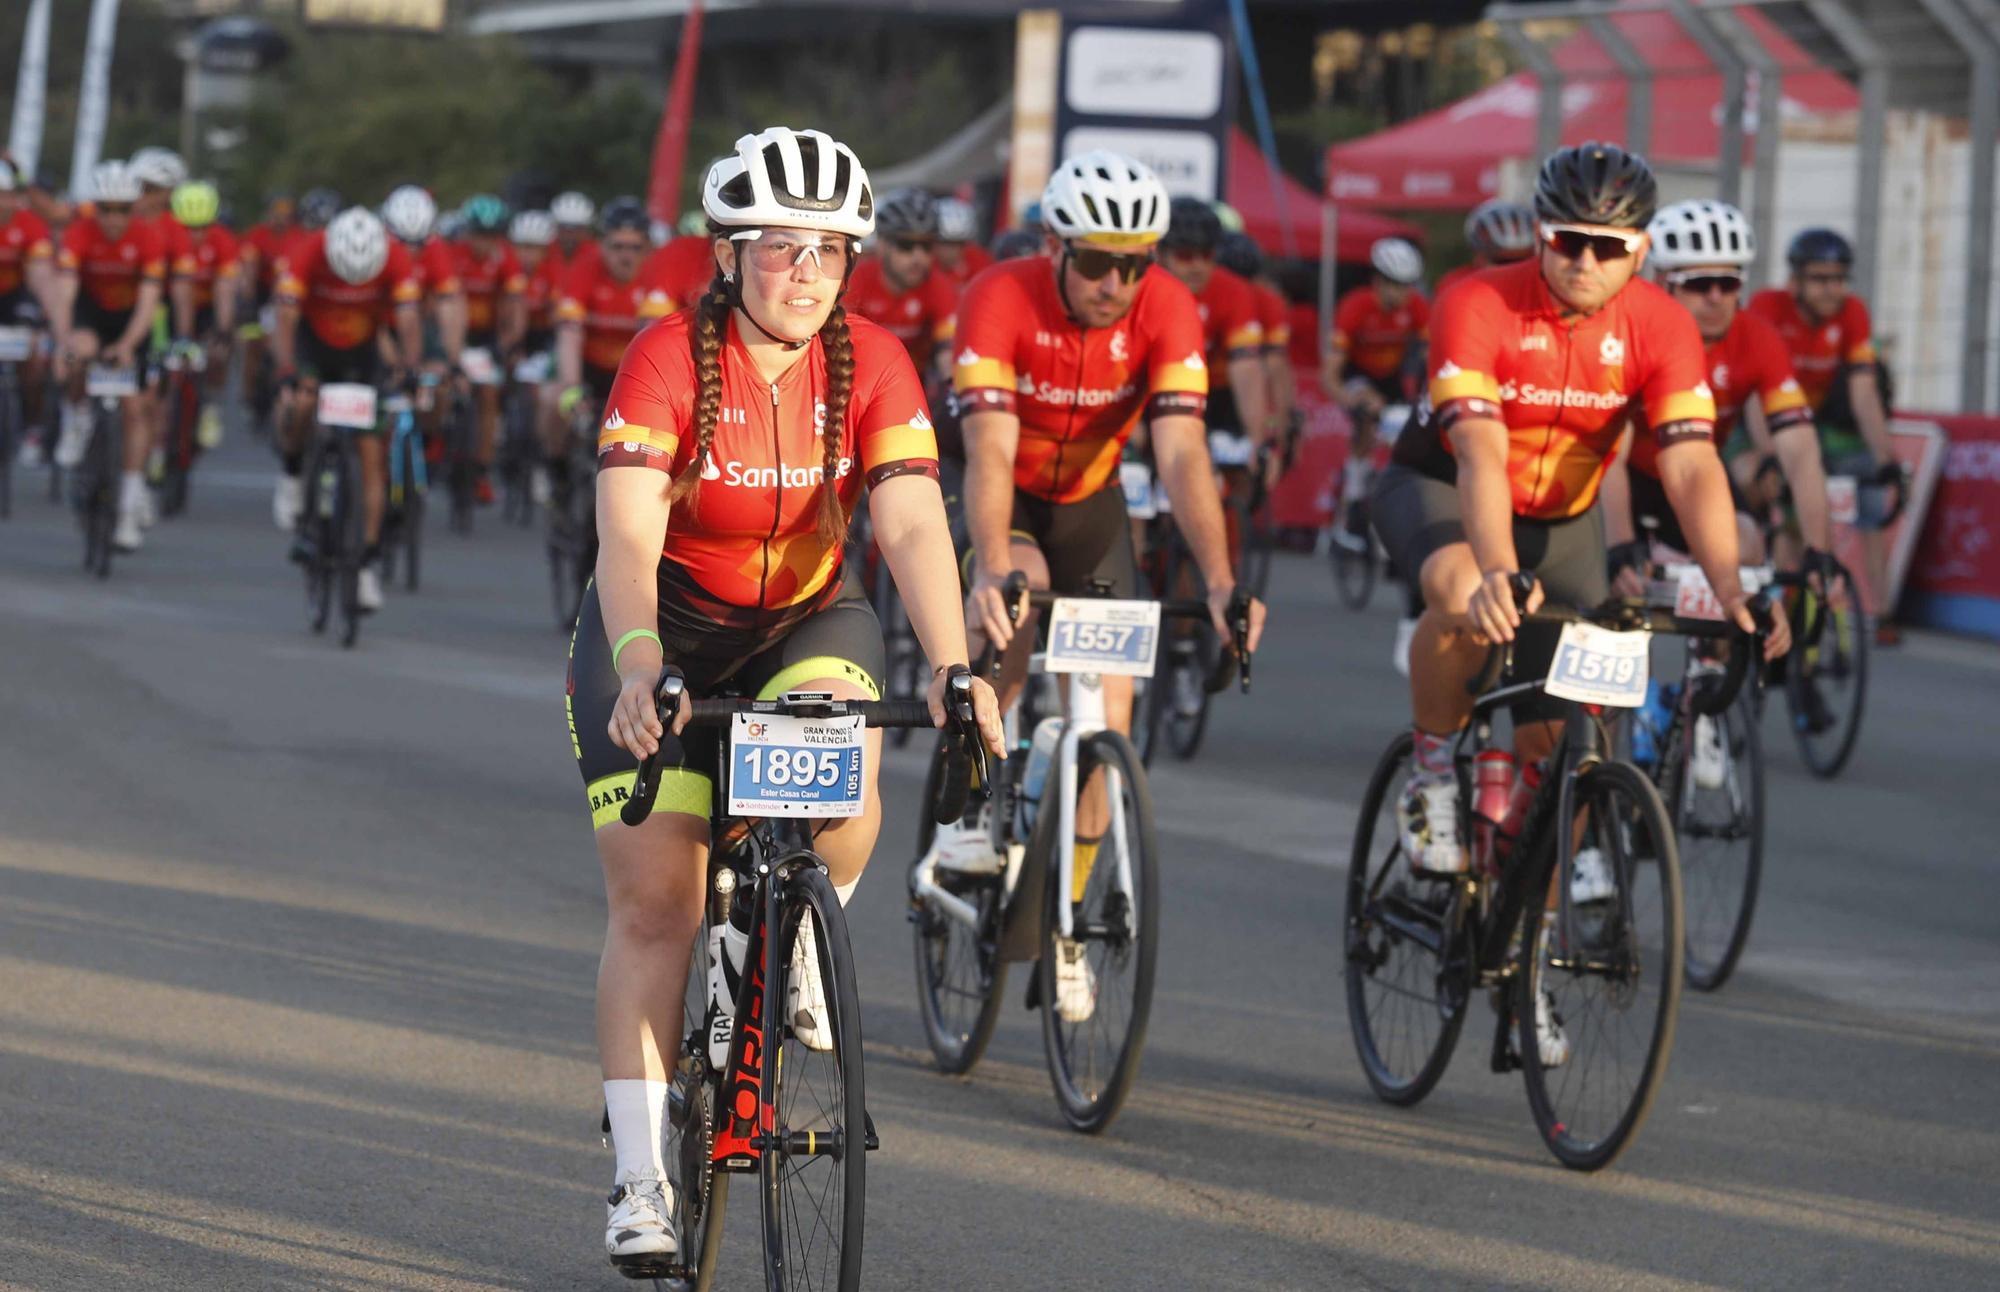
[
  {"x": 1492, "y": 785},
  {"x": 1517, "y": 807}
]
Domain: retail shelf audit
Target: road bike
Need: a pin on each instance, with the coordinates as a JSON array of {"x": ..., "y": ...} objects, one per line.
[
  {"x": 98, "y": 479},
  {"x": 571, "y": 540},
  {"x": 746, "y": 1094},
  {"x": 330, "y": 540},
  {"x": 16, "y": 345},
  {"x": 409, "y": 486},
  {"x": 1049, "y": 900},
  {"x": 1568, "y": 913}
]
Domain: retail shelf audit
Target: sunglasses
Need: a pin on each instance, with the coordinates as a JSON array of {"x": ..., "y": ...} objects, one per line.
[
  {"x": 774, "y": 255},
  {"x": 114, "y": 208},
  {"x": 1706, "y": 284},
  {"x": 1832, "y": 280},
  {"x": 1569, "y": 241},
  {"x": 630, "y": 248},
  {"x": 924, "y": 245},
  {"x": 1093, "y": 263},
  {"x": 1189, "y": 255}
]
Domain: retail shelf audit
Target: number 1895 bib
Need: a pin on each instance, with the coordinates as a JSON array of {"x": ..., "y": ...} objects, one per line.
[{"x": 786, "y": 766}]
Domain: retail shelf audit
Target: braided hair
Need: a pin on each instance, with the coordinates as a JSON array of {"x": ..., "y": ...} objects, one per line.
[{"x": 711, "y": 327}]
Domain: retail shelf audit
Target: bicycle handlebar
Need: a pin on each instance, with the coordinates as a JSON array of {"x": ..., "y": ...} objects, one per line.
[{"x": 1233, "y": 662}]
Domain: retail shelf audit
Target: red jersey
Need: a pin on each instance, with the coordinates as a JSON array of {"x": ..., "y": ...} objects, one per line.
[
  {"x": 1563, "y": 386},
  {"x": 1819, "y": 350},
  {"x": 24, "y": 239},
  {"x": 214, "y": 260},
  {"x": 610, "y": 312},
  {"x": 174, "y": 236},
  {"x": 1304, "y": 320},
  {"x": 484, "y": 280},
  {"x": 1452, "y": 277},
  {"x": 921, "y": 319},
  {"x": 267, "y": 245},
  {"x": 680, "y": 271},
  {"x": 111, "y": 270},
  {"x": 1276, "y": 317},
  {"x": 972, "y": 262},
  {"x": 745, "y": 554},
  {"x": 1232, "y": 323},
  {"x": 1377, "y": 339},
  {"x": 341, "y": 314},
  {"x": 544, "y": 284},
  {"x": 1750, "y": 359},
  {"x": 1077, "y": 392}
]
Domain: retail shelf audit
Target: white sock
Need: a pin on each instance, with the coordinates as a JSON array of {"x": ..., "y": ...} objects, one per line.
[
  {"x": 638, "y": 1111},
  {"x": 134, "y": 487},
  {"x": 846, "y": 890}
]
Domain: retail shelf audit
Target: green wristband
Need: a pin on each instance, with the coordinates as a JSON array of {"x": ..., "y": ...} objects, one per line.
[{"x": 626, "y": 640}]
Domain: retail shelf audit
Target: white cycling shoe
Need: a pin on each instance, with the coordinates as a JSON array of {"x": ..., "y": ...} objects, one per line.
[
  {"x": 1550, "y": 1041},
  {"x": 966, "y": 849},
  {"x": 806, "y": 993},
  {"x": 638, "y": 1222},
  {"x": 287, "y": 501},
  {"x": 1590, "y": 878},
  {"x": 1427, "y": 819},
  {"x": 1709, "y": 761},
  {"x": 368, "y": 589},
  {"x": 72, "y": 437},
  {"x": 1076, "y": 984}
]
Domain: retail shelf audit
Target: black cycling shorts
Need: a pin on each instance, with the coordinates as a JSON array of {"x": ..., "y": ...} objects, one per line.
[
  {"x": 109, "y": 325},
  {"x": 328, "y": 365},
  {"x": 1417, "y": 515},
  {"x": 1083, "y": 542},
  {"x": 844, "y": 640},
  {"x": 1651, "y": 510}
]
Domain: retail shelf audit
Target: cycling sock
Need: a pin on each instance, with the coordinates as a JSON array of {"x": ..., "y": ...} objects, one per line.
[
  {"x": 637, "y": 1110},
  {"x": 294, "y": 463},
  {"x": 1432, "y": 753},
  {"x": 846, "y": 890},
  {"x": 1079, "y": 875}
]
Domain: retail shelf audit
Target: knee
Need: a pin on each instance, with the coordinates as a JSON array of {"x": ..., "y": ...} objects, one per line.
[{"x": 655, "y": 915}]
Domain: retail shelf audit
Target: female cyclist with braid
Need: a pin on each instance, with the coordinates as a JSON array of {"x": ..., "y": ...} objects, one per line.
[{"x": 737, "y": 439}]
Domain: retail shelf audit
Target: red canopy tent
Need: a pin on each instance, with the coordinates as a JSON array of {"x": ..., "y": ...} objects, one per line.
[
  {"x": 1249, "y": 191},
  {"x": 1450, "y": 159}
]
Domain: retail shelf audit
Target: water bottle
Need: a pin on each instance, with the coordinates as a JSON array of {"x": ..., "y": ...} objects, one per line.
[
  {"x": 1492, "y": 790},
  {"x": 1522, "y": 799},
  {"x": 1041, "y": 753},
  {"x": 727, "y": 944},
  {"x": 1648, "y": 721}
]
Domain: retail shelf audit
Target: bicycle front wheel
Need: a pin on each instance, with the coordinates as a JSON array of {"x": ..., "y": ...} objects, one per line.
[
  {"x": 700, "y": 1192},
  {"x": 1096, "y": 983},
  {"x": 1405, "y": 961},
  {"x": 1600, "y": 991},
  {"x": 1826, "y": 682},
  {"x": 1353, "y": 571},
  {"x": 813, "y": 1166},
  {"x": 960, "y": 975},
  {"x": 1720, "y": 825}
]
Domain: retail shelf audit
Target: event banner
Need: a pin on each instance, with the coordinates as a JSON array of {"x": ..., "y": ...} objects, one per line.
[{"x": 1954, "y": 575}]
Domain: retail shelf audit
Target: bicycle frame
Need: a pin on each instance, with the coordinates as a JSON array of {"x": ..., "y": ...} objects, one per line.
[{"x": 1086, "y": 717}]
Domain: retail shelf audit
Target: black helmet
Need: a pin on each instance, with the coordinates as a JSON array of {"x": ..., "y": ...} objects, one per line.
[
  {"x": 1596, "y": 183},
  {"x": 318, "y": 207},
  {"x": 1239, "y": 254},
  {"x": 1811, "y": 245},
  {"x": 1015, "y": 243},
  {"x": 1500, "y": 230},
  {"x": 625, "y": 213},
  {"x": 907, "y": 213},
  {"x": 1192, "y": 222}
]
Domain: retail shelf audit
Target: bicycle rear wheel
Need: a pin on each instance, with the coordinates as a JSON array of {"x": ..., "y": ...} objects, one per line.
[
  {"x": 1826, "y": 683},
  {"x": 1612, "y": 971},
  {"x": 1093, "y": 1040},
  {"x": 1406, "y": 961},
  {"x": 813, "y": 1169},
  {"x": 347, "y": 528},
  {"x": 100, "y": 488},
  {"x": 960, "y": 975},
  {"x": 10, "y": 427},
  {"x": 1721, "y": 834},
  {"x": 411, "y": 531},
  {"x": 1353, "y": 571}
]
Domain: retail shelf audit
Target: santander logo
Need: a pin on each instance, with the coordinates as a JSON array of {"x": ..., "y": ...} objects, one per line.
[{"x": 738, "y": 475}]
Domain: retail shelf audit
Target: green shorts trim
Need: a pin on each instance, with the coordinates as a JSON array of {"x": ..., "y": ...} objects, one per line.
[
  {"x": 681, "y": 790},
  {"x": 792, "y": 675}
]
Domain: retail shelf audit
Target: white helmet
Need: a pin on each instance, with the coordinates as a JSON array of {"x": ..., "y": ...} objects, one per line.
[
  {"x": 113, "y": 181},
  {"x": 573, "y": 210},
  {"x": 957, "y": 221},
  {"x": 357, "y": 246},
  {"x": 532, "y": 228},
  {"x": 410, "y": 212},
  {"x": 1107, "y": 198},
  {"x": 1397, "y": 260},
  {"x": 159, "y": 167},
  {"x": 1701, "y": 233},
  {"x": 770, "y": 180}
]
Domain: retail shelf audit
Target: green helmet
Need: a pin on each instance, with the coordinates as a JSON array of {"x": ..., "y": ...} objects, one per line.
[
  {"x": 484, "y": 213},
  {"x": 196, "y": 204}
]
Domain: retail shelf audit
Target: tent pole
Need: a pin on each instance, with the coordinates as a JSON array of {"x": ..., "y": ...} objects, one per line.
[
  {"x": 1548, "y": 125},
  {"x": 1638, "y": 83},
  {"x": 1770, "y": 104},
  {"x": 1872, "y": 63},
  {"x": 1969, "y": 26},
  {"x": 1329, "y": 251},
  {"x": 1246, "y": 50},
  {"x": 1729, "y": 152}
]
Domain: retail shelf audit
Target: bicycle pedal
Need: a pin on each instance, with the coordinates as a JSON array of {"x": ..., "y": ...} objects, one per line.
[
  {"x": 649, "y": 1267},
  {"x": 868, "y": 1136}
]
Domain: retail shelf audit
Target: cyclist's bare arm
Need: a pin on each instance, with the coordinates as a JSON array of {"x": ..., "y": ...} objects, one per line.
[
  {"x": 513, "y": 321},
  {"x": 409, "y": 334},
  {"x": 1333, "y": 372},
  {"x": 285, "y": 336},
  {"x": 42, "y": 279},
  {"x": 1486, "y": 508},
  {"x": 1180, "y": 453},
  {"x": 569, "y": 354},
  {"x": 991, "y": 438},
  {"x": 1698, "y": 490},
  {"x": 1253, "y": 406},
  {"x": 1617, "y": 493},
  {"x": 225, "y": 303},
  {"x": 451, "y": 326},
  {"x": 142, "y": 319},
  {"x": 1797, "y": 448},
  {"x": 62, "y": 307},
  {"x": 631, "y": 516},
  {"x": 180, "y": 291},
  {"x": 1278, "y": 380},
  {"x": 1864, "y": 395}
]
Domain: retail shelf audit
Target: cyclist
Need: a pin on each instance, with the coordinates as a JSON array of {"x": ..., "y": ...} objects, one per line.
[
  {"x": 410, "y": 214},
  {"x": 1499, "y": 233},
  {"x": 111, "y": 275},
  {"x": 1240, "y": 255},
  {"x": 1231, "y": 320},
  {"x": 676, "y": 272},
  {"x": 263, "y": 247},
  {"x": 765, "y": 381},
  {"x": 1059, "y": 356},
  {"x": 494, "y": 290},
  {"x": 532, "y": 235},
  {"x": 27, "y": 281},
  {"x": 1827, "y": 329},
  {"x": 1375, "y": 329},
  {"x": 574, "y": 215},
  {"x": 601, "y": 306},
  {"x": 1699, "y": 251},
  {"x": 960, "y": 258},
  {"x": 1533, "y": 368},
  {"x": 338, "y": 288},
  {"x": 1015, "y": 243},
  {"x": 212, "y": 281},
  {"x": 159, "y": 172},
  {"x": 899, "y": 287}
]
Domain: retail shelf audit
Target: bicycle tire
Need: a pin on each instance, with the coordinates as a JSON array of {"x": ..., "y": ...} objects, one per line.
[
  {"x": 1586, "y": 1134},
  {"x": 1718, "y": 905},
  {"x": 950, "y": 956},
  {"x": 1379, "y": 922},
  {"x": 413, "y": 514},
  {"x": 1088, "y": 1104},
  {"x": 1353, "y": 575},
  {"x": 1841, "y": 657},
  {"x": 319, "y": 567},
  {"x": 347, "y": 526},
  {"x": 701, "y": 1193},
  {"x": 10, "y": 422},
  {"x": 107, "y": 454},
  {"x": 459, "y": 472},
  {"x": 833, "y": 1246}
]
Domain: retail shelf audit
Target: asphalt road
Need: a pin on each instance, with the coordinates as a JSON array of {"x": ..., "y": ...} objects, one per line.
[{"x": 297, "y": 948}]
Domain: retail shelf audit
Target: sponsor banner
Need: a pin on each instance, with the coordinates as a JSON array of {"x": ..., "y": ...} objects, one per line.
[{"x": 1954, "y": 570}]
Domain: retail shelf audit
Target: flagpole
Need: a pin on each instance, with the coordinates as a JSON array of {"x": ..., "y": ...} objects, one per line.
[
  {"x": 93, "y": 104},
  {"x": 24, "y": 139}
]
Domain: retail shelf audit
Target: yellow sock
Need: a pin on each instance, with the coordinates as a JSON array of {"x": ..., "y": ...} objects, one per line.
[{"x": 1079, "y": 876}]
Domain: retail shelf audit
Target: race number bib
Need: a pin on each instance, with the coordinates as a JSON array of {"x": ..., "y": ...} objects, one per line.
[
  {"x": 1597, "y": 666},
  {"x": 1843, "y": 500},
  {"x": 347, "y": 404},
  {"x": 1229, "y": 451},
  {"x": 1693, "y": 598},
  {"x": 478, "y": 366},
  {"x": 534, "y": 370},
  {"x": 111, "y": 383},
  {"x": 1136, "y": 479},
  {"x": 1093, "y": 635},
  {"x": 785, "y": 766},
  {"x": 16, "y": 344}
]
